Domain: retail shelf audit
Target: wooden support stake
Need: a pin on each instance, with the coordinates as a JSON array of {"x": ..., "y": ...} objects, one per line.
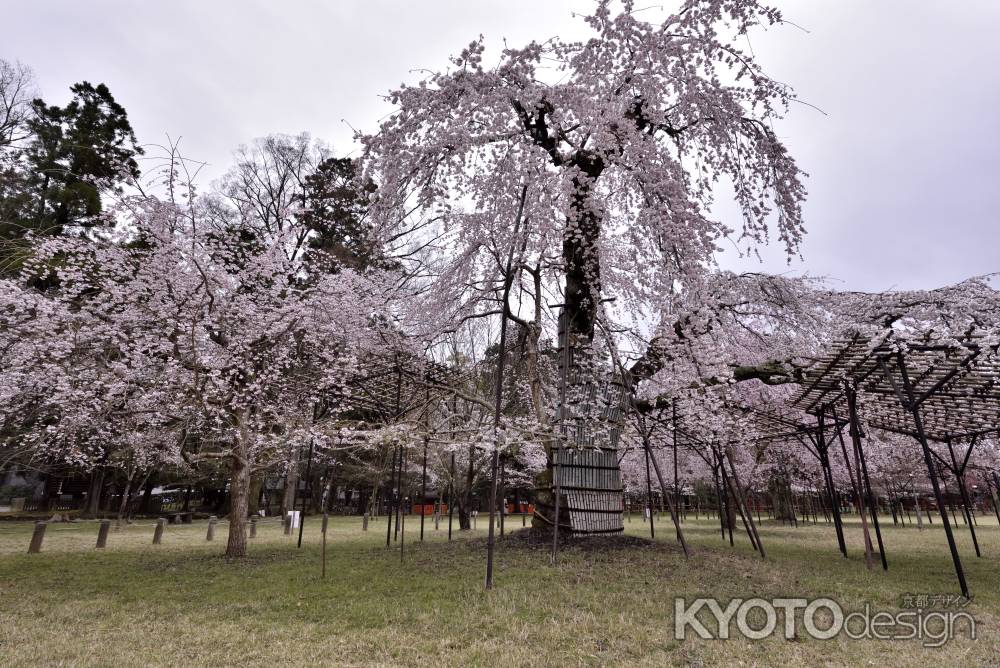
[
  {"x": 326, "y": 519},
  {"x": 37, "y": 536},
  {"x": 253, "y": 527},
  {"x": 102, "y": 533},
  {"x": 451, "y": 495},
  {"x": 210, "y": 534},
  {"x": 158, "y": 531},
  {"x": 922, "y": 438}
]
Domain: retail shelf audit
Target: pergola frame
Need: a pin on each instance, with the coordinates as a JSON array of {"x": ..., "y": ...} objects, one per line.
[{"x": 925, "y": 387}]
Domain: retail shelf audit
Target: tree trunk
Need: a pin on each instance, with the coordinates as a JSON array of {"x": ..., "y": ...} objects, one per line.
[
  {"x": 94, "y": 493},
  {"x": 291, "y": 483},
  {"x": 147, "y": 495},
  {"x": 465, "y": 500},
  {"x": 779, "y": 489},
  {"x": 239, "y": 490},
  {"x": 254, "y": 494}
]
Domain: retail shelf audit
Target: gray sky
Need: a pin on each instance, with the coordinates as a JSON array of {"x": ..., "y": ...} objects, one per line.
[{"x": 903, "y": 168}]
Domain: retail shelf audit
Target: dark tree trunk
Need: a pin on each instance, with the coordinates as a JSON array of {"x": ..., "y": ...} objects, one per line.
[
  {"x": 290, "y": 493},
  {"x": 362, "y": 495},
  {"x": 255, "y": 493},
  {"x": 465, "y": 500},
  {"x": 580, "y": 307},
  {"x": 239, "y": 490},
  {"x": 147, "y": 495},
  {"x": 94, "y": 493}
]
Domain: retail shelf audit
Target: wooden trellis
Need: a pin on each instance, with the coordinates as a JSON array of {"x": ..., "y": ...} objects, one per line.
[{"x": 926, "y": 387}]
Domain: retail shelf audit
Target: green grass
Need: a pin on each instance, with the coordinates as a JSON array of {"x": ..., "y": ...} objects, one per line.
[{"x": 181, "y": 603}]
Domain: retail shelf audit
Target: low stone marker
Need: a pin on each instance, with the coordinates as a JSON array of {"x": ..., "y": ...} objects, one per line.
[
  {"x": 158, "y": 531},
  {"x": 102, "y": 533},
  {"x": 36, "y": 538},
  {"x": 211, "y": 528}
]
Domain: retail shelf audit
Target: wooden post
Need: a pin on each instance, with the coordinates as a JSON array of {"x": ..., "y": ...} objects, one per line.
[
  {"x": 158, "y": 531},
  {"x": 210, "y": 535},
  {"x": 288, "y": 524},
  {"x": 390, "y": 497},
  {"x": 914, "y": 408},
  {"x": 401, "y": 525},
  {"x": 306, "y": 489},
  {"x": 993, "y": 495},
  {"x": 423, "y": 487},
  {"x": 451, "y": 495},
  {"x": 102, "y": 533},
  {"x": 253, "y": 527},
  {"x": 37, "y": 536},
  {"x": 557, "y": 474},
  {"x": 663, "y": 488},
  {"x": 649, "y": 485},
  {"x": 966, "y": 502},
  {"x": 326, "y": 519},
  {"x": 364, "y": 522},
  {"x": 858, "y": 500},
  {"x": 741, "y": 502},
  {"x": 855, "y": 431}
]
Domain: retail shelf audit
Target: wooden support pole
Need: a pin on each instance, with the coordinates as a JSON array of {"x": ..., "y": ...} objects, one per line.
[
  {"x": 158, "y": 531},
  {"x": 823, "y": 449},
  {"x": 557, "y": 474},
  {"x": 287, "y": 522},
  {"x": 37, "y": 536},
  {"x": 306, "y": 490},
  {"x": 451, "y": 495},
  {"x": 649, "y": 490},
  {"x": 993, "y": 493},
  {"x": 857, "y": 501},
  {"x": 732, "y": 495},
  {"x": 855, "y": 431},
  {"x": 401, "y": 511},
  {"x": 423, "y": 488},
  {"x": 960, "y": 478},
  {"x": 718, "y": 496},
  {"x": 102, "y": 533},
  {"x": 399, "y": 491},
  {"x": 253, "y": 526},
  {"x": 389, "y": 497},
  {"x": 663, "y": 488},
  {"x": 922, "y": 438},
  {"x": 502, "y": 495},
  {"x": 745, "y": 512},
  {"x": 326, "y": 520},
  {"x": 210, "y": 534}
]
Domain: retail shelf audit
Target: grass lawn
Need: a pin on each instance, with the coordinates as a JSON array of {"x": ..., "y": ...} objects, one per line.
[{"x": 181, "y": 603}]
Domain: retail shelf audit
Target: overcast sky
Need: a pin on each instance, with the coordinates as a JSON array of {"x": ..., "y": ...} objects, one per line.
[{"x": 903, "y": 165}]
